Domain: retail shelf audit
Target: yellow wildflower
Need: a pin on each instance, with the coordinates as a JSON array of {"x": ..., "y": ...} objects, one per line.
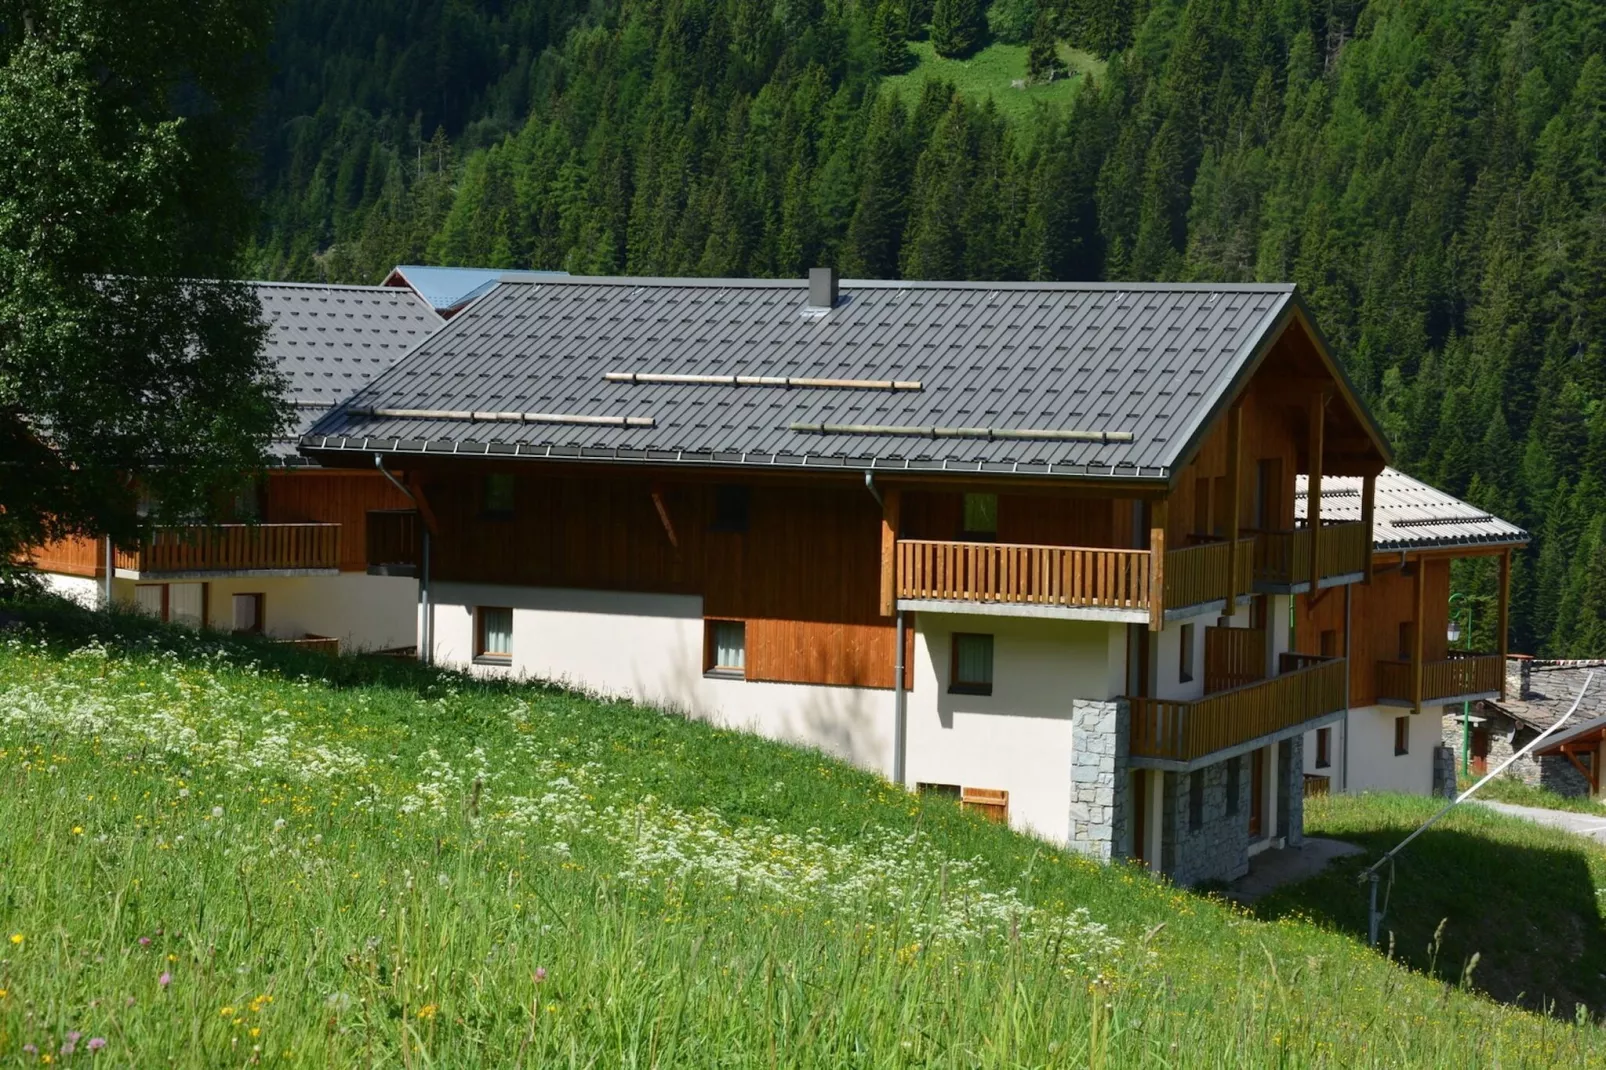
[
  {"x": 427, "y": 1011},
  {"x": 226, "y": 1012},
  {"x": 16, "y": 938}
]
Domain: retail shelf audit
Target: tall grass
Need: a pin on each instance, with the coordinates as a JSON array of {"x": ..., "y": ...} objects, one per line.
[{"x": 214, "y": 853}]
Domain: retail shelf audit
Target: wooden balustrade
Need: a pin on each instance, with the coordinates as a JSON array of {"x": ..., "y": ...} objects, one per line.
[
  {"x": 1184, "y": 731},
  {"x": 1282, "y": 558},
  {"x": 1234, "y": 657},
  {"x": 1069, "y": 576},
  {"x": 1022, "y": 575},
  {"x": 395, "y": 541},
  {"x": 236, "y": 548},
  {"x": 1198, "y": 574},
  {"x": 1460, "y": 674}
]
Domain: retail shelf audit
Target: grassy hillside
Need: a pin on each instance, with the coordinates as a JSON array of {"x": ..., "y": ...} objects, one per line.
[
  {"x": 219, "y": 852},
  {"x": 992, "y": 74}
]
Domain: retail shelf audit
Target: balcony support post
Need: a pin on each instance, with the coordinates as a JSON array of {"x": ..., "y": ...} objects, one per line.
[
  {"x": 1504, "y": 624},
  {"x": 890, "y": 505},
  {"x": 1157, "y": 523},
  {"x": 1313, "y": 483},
  {"x": 1235, "y": 482},
  {"x": 1368, "y": 496},
  {"x": 1419, "y": 567}
]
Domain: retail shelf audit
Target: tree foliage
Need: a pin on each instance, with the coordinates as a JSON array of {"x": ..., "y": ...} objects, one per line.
[
  {"x": 122, "y": 182},
  {"x": 1432, "y": 175}
]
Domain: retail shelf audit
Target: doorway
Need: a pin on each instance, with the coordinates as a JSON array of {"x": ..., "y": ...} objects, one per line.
[{"x": 1257, "y": 793}]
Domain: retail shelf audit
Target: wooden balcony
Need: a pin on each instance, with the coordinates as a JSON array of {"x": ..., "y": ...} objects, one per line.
[
  {"x": 223, "y": 549},
  {"x": 1120, "y": 584},
  {"x": 1462, "y": 677},
  {"x": 395, "y": 542},
  {"x": 1282, "y": 558},
  {"x": 1306, "y": 688}
]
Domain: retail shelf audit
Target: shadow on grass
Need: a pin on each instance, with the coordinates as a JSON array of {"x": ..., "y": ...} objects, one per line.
[{"x": 1522, "y": 898}]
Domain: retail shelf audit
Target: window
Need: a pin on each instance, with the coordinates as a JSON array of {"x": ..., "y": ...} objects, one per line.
[
  {"x": 493, "y": 634},
  {"x": 1480, "y": 751},
  {"x": 1196, "y": 800},
  {"x": 1407, "y": 640},
  {"x": 730, "y": 509},
  {"x": 1267, "y": 512},
  {"x": 727, "y": 647},
  {"x": 973, "y": 665},
  {"x": 499, "y": 496},
  {"x": 990, "y": 803},
  {"x": 1324, "y": 748},
  {"x": 247, "y": 612},
  {"x": 1185, "y": 655},
  {"x": 1402, "y": 735},
  {"x": 946, "y": 791},
  {"x": 186, "y": 604},
  {"x": 1234, "y": 783},
  {"x": 981, "y": 517},
  {"x": 151, "y": 599},
  {"x": 1329, "y": 643}
]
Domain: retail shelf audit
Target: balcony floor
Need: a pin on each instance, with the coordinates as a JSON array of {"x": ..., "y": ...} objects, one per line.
[
  {"x": 1109, "y": 614},
  {"x": 1175, "y": 766},
  {"x": 1450, "y": 700},
  {"x": 154, "y": 576}
]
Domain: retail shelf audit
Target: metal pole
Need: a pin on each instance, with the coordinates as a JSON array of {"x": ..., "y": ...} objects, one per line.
[
  {"x": 426, "y": 627},
  {"x": 1372, "y": 917},
  {"x": 111, "y": 572},
  {"x": 900, "y": 700}
]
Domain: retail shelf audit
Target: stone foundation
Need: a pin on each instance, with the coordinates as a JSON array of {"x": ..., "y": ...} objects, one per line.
[
  {"x": 1506, "y": 737},
  {"x": 1218, "y": 848},
  {"x": 1099, "y": 781},
  {"x": 1291, "y": 790}
]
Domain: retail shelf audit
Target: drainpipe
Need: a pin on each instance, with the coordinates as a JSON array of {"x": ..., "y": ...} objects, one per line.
[
  {"x": 900, "y": 710},
  {"x": 869, "y": 485},
  {"x": 426, "y": 621},
  {"x": 1349, "y": 667},
  {"x": 111, "y": 572}
]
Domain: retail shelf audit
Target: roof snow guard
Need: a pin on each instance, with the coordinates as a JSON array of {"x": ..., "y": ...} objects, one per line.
[
  {"x": 1407, "y": 514},
  {"x": 1075, "y": 380}
]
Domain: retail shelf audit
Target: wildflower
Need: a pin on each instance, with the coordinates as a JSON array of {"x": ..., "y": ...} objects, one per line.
[
  {"x": 30, "y": 1049},
  {"x": 540, "y": 974},
  {"x": 78, "y": 830},
  {"x": 226, "y": 1012},
  {"x": 96, "y": 1043},
  {"x": 427, "y": 1011},
  {"x": 278, "y": 826},
  {"x": 165, "y": 980},
  {"x": 16, "y": 938},
  {"x": 144, "y": 941},
  {"x": 183, "y": 793},
  {"x": 4, "y": 993},
  {"x": 217, "y": 811}
]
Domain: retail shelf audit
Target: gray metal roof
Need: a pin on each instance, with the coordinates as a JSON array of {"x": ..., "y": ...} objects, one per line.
[
  {"x": 1407, "y": 514},
  {"x": 1540, "y": 692},
  {"x": 330, "y": 341},
  {"x": 1146, "y": 359}
]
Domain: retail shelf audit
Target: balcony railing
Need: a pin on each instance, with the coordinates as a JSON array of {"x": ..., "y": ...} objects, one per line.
[
  {"x": 236, "y": 548},
  {"x": 395, "y": 542},
  {"x": 1458, "y": 675},
  {"x": 1307, "y": 688},
  {"x": 1282, "y": 558},
  {"x": 1061, "y": 576}
]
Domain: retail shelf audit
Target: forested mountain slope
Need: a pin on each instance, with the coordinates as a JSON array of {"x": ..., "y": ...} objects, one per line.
[{"x": 1431, "y": 172}]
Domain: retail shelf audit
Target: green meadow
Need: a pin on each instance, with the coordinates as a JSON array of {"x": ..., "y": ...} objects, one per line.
[
  {"x": 992, "y": 74},
  {"x": 216, "y": 852}
]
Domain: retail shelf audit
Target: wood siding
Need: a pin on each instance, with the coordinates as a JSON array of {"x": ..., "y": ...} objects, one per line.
[
  {"x": 1377, "y": 611},
  {"x": 76, "y": 555},
  {"x": 331, "y": 497},
  {"x": 1202, "y": 496}
]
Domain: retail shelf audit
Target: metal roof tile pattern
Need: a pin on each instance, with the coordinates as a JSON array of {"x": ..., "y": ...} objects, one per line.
[
  {"x": 330, "y": 341},
  {"x": 1147, "y": 359},
  {"x": 1407, "y": 514}
]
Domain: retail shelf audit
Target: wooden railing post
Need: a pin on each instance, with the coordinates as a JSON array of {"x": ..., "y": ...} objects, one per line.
[
  {"x": 1157, "y": 521},
  {"x": 890, "y": 504},
  {"x": 1416, "y": 635},
  {"x": 1368, "y": 497},
  {"x": 1313, "y": 481},
  {"x": 1504, "y": 623},
  {"x": 1235, "y": 477}
]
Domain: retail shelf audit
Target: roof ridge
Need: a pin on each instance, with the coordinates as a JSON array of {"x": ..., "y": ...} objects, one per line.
[{"x": 537, "y": 278}]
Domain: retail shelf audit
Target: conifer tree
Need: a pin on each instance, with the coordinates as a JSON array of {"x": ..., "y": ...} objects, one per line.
[
  {"x": 958, "y": 27},
  {"x": 1042, "y": 57},
  {"x": 889, "y": 35}
]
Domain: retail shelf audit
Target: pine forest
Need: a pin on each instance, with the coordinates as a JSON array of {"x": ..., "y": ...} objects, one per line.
[{"x": 1432, "y": 173}]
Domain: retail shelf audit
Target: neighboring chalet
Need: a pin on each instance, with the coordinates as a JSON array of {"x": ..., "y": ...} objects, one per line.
[
  {"x": 1403, "y": 675},
  {"x": 293, "y": 564},
  {"x": 1538, "y": 694},
  {"x": 1027, "y": 544},
  {"x": 449, "y": 290}
]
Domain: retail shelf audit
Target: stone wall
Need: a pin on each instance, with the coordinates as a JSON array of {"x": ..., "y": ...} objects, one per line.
[
  {"x": 1099, "y": 781},
  {"x": 1291, "y": 790},
  {"x": 1506, "y": 737},
  {"x": 1218, "y": 848}
]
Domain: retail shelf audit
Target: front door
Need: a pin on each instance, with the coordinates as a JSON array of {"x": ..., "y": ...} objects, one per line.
[{"x": 1257, "y": 791}]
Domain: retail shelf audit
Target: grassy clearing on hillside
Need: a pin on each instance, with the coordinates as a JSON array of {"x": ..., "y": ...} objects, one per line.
[
  {"x": 222, "y": 852},
  {"x": 1523, "y": 897},
  {"x": 1508, "y": 789},
  {"x": 992, "y": 72}
]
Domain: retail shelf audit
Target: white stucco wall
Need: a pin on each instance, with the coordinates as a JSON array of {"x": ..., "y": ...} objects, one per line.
[
  {"x": 364, "y": 612},
  {"x": 84, "y": 590},
  {"x": 1019, "y": 737},
  {"x": 649, "y": 648},
  {"x": 1373, "y": 765}
]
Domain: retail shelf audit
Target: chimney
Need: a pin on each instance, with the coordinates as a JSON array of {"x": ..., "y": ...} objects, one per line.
[
  {"x": 822, "y": 287},
  {"x": 1525, "y": 688}
]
